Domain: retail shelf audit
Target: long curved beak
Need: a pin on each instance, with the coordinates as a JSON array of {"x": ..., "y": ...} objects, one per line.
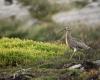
[{"x": 61, "y": 30}]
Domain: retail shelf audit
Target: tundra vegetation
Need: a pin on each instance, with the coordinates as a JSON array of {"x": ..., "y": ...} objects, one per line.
[{"x": 41, "y": 47}]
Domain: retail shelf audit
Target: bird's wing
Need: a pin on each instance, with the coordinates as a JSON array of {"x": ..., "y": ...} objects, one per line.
[
  {"x": 83, "y": 45},
  {"x": 80, "y": 44}
]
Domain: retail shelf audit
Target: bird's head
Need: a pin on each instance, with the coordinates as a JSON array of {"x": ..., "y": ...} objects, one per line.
[{"x": 68, "y": 28}]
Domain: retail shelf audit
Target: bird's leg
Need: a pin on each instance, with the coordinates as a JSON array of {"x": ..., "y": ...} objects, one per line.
[
  {"x": 75, "y": 50},
  {"x": 73, "y": 53}
]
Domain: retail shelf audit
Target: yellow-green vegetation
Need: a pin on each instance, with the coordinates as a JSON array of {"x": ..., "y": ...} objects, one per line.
[
  {"x": 27, "y": 51},
  {"x": 14, "y": 51}
]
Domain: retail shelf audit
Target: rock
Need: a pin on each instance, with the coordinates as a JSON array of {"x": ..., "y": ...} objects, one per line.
[
  {"x": 16, "y": 11},
  {"x": 75, "y": 66},
  {"x": 89, "y": 15},
  {"x": 62, "y": 2}
]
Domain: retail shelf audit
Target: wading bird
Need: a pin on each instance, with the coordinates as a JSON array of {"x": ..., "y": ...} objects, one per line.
[{"x": 73, "y": 43}]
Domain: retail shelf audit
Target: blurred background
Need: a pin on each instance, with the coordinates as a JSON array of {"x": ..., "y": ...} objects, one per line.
[{"x": 41, "y": 20}]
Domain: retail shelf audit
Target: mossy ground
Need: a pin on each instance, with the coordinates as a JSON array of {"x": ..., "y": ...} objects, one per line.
[{"x": 47, "y": 60}]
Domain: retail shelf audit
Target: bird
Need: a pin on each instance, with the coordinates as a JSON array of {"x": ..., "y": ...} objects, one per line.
[{"x": 74, "y": 43}]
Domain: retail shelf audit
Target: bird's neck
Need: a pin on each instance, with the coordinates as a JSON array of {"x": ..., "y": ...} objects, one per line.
[
  {"x": 68, "y": 37},
  {"x": 68, "y": 34}
]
